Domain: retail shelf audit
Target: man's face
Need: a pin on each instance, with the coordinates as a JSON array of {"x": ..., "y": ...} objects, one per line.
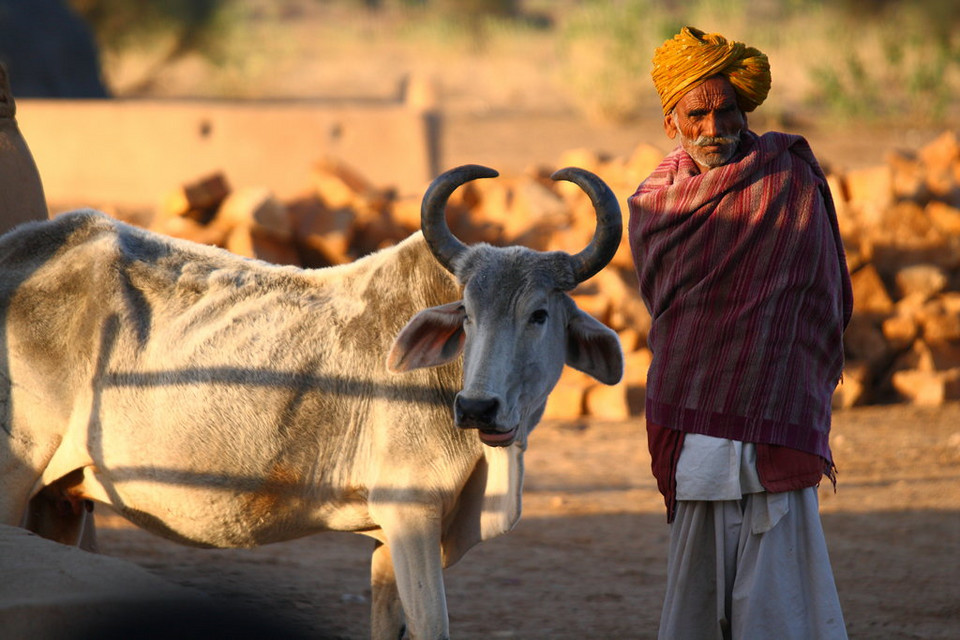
[{"x": 709, "y": 123}]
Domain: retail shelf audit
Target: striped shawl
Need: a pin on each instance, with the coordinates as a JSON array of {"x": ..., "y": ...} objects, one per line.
[{"x": 744, "y": 274}]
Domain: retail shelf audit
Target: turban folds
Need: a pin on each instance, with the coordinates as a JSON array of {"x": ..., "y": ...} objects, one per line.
[{"x": 690, "y": 57}]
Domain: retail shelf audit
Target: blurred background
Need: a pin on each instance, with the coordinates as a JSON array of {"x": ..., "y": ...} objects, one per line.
[{"x": 878, "y": 60}]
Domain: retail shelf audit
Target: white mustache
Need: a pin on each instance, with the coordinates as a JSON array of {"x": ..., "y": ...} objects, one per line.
[{"x": 706, "y": 141}]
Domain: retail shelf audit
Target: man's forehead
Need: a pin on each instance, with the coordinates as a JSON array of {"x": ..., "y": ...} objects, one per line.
[{"x": 713, "y": 92}]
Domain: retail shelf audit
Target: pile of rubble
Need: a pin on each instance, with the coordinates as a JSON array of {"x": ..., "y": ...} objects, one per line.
[
  {"x": 901, "y": 226},
  {"x": 900, "y": 222}
]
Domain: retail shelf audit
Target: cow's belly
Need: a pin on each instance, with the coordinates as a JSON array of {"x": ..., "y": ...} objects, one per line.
[
  {"x": 229, "y": 478},
  {"x": 213, "y": 515}
]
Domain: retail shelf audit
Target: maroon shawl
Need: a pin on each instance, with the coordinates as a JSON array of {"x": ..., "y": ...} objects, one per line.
[{"x": 744, "y": 274}]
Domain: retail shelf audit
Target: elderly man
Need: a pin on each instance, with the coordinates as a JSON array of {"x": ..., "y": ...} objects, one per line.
[{"x": 740, "y": 263}]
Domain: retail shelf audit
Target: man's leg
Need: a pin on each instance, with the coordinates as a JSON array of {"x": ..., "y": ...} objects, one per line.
[
  {"x": 703, "y": 550},
  {"x": 784, "y": 585}
]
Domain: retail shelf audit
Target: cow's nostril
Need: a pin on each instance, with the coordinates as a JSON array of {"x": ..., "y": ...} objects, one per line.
[{"x": 476, "y": 411}]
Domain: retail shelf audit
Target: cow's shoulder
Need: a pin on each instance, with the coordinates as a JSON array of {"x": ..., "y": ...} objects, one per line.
[{"x": 35, "y": 243}]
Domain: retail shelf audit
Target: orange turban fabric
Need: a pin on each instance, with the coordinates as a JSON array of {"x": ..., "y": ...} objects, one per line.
[{"x": 690, "y": 57}]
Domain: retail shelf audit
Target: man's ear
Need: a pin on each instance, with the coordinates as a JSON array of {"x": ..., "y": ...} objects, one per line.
[
  {"x": 594, "y": 348},
  {"x": 670, "y": 126},
  {"x": 431, "y": 338}
]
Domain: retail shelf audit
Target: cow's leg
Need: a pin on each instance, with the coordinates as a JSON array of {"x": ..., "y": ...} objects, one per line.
[
  {"x": 59, "y": 512},
  {"x": 61, "y": 519},
  {"x": 386, "y": 613},
  {"x": 413, "y": 537}
]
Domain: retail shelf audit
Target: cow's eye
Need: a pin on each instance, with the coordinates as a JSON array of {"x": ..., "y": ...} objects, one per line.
[{"x": 539, "y": 316}]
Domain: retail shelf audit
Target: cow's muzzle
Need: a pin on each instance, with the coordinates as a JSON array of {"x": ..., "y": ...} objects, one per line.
[{"x": 481, "y": 414}]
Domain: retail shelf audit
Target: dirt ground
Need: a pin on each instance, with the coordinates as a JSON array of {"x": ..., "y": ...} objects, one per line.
[{"x": 587, "y": 559}]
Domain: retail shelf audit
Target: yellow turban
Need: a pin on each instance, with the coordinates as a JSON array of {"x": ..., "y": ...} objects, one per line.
[{"x": 690, "y": 57}]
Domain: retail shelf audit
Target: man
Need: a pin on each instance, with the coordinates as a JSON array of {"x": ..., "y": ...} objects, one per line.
[{"x": 740, "y": 263}]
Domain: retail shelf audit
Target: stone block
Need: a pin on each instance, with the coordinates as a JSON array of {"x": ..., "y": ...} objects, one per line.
[
  {"x": 596, "y": 304},
  {"x": 846, "y": 215},
  {"x": 899, "y": 331},
  {"x": 338, "y": 184},
  {"x": 944, "y": 353},
  {"x": 583, "y": 158},
  {"x": 869, "y": 293},
  {"x": 939, "y": 320},
  {"x": 908, "y": 176},
  {"x": 256, "y": 208},
  {"x": 198, "y": 199},
  {"x": 635, "y": 366},
  {"x": 905, "y": 223},
  {"x": 864, "y": 340},
  {"x": 923, "y": 279},
  {"x": 321, "y": 235},
  {"x": 539, "y": 203},
  {"x": 630, "y": 339},
  {"x": 565, "y": 401},
  {"x": 941, "y": 152},
  {"x": 375, "y": 233},
  {"x": 918, "y": 357},
  {"x": 852, "y": 389},
  {"x": 922, "y": 388},
  {"x": 406, "y": 213},
  {"x": 606, "y": 402},
  {"x": 643, "y": 160},
  {"x": 537, "y": 237},
  {"x": 894, "y": 253},
  {"x": 870, "y": 189},
  {"x": 949, "y": 301},
  {"x": 252, "y": 243},
  {"x": 944, "y": 217},
  {"x": 188, "y": 229}
]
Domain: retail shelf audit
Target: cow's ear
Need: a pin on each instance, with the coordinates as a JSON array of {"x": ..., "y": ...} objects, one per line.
[
  {"x": 594, "y": 348},
  {"x": 431, "y": 338}
]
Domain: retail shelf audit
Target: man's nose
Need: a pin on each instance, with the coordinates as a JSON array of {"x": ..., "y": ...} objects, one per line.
[{"x": 709, "y": 126}]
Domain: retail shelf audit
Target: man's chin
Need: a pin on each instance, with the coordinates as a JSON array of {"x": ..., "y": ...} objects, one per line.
[{"x": 714, "y": 159}]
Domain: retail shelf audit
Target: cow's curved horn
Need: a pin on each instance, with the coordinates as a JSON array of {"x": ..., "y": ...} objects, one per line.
[
  {"x": 433, "y": 221},
  {"x": 609, "y": 229}
]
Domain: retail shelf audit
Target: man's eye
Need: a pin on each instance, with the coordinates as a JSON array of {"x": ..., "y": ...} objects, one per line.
[{"x": 539, "y": 316}]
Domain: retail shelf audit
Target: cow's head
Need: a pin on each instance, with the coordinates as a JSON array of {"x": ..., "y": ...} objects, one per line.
[{"x": 516, "y": 326}]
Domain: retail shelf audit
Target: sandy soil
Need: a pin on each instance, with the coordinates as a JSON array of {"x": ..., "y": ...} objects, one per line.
[{"x": 587, "y": 558}]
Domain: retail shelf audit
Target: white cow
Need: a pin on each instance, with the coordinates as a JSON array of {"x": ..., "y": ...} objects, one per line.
[{"x": 225, "y": 402}]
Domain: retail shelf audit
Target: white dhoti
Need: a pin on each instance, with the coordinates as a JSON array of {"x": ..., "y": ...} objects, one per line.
[{"x": 754, "y": 567}]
